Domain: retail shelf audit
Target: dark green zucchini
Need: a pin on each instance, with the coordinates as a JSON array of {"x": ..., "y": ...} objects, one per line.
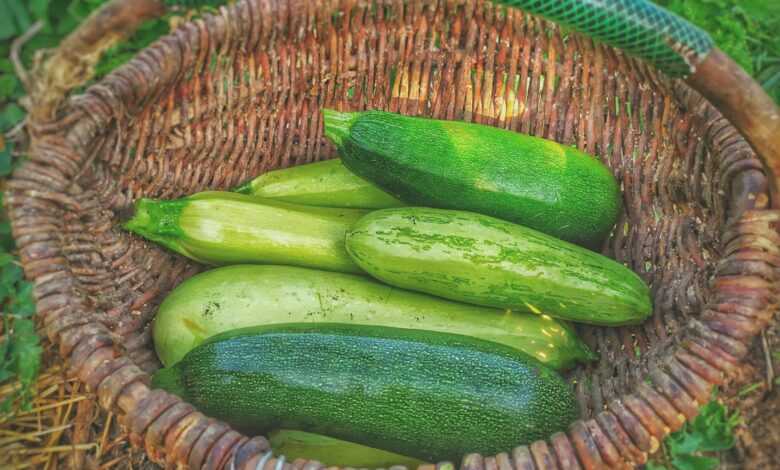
[
  {"x": 541, "y": 184},
  {"x": 429, "y": 395}
]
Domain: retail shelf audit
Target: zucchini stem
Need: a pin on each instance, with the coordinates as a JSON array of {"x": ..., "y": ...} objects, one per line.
[
  {"x": 338, "y": 125},
  {"x": 157, "y": 220},
  {"x": 245, "y": 188},
  {"x": 170, "y": 380}
]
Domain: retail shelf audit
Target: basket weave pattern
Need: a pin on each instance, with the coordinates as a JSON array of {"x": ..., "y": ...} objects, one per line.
[{"x": 232, "y": 95}]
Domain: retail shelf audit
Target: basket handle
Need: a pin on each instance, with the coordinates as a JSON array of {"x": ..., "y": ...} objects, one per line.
[
  {"x": 681, "y": 50},
  {"x": 71, "y": 64}
]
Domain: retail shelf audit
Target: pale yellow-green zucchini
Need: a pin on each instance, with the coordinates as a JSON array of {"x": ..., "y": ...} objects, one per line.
[
  {"x": 227, "y": 228},
  {"x": 234, "y": 297},
  {"x": 325, "y": 184},
  {"x": 304, "y": 445}
]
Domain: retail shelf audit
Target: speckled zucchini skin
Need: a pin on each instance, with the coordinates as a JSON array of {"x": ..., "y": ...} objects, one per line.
[
  {"x": 535, "y": 182},
  {"x": 428, "y": 395},
  {"x": 486, "y": 261},
  {"x": 242, "y": 296}
]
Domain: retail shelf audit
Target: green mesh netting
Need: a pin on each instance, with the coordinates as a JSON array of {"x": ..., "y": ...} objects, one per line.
[{"x": 638, "y": 27}]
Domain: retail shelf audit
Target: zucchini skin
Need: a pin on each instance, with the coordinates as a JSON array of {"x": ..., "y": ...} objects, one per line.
[
  {"x": 303, "y": 445},
  {"x": 220, "y": 228},
  {"x": 323, "y": 184},
  {"x": 485, "y": 261},
  {"x": 428, "y": 395},
  {"x": 535, "y": 182},
  {"x": 234, "y": 297}
]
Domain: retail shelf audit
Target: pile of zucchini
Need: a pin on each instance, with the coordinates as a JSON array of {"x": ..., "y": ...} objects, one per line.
[{"x": 413, "y": 296}]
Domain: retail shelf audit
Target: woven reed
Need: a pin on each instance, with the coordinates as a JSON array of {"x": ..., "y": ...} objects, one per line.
[{"x": 232, "y": 95}]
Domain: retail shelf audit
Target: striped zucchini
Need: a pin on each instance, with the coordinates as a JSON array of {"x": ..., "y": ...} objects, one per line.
[{"x": 486, "y": 261}]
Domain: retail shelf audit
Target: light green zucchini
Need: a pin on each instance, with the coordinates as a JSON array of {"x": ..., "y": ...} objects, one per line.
[
  {"x": 242, "y": 296},
  {"x": 331, "y": 451},
  {"x": 324, "y": 184},
  {"x": 482, "y": 260},
  {"x": 227, "y": 228}
]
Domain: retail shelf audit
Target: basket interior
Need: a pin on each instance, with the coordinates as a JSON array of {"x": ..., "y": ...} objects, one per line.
[{"x": 219, "y": 102}]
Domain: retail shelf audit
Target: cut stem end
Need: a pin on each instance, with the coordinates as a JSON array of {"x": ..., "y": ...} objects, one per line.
[
  {"x": 156, "y": 220},
  {"x": 338, "y": 125},
  {"x": 170, "y": 379}
]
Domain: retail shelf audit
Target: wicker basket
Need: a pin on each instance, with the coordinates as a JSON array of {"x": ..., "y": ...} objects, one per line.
[{"x": 236, "y": 94}]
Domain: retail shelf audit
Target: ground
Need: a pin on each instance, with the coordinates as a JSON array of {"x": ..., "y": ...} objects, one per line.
[{"x": 758, "y": 440}]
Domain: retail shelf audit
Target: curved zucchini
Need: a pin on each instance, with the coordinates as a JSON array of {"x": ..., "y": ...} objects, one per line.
[
  {"x": 324, "y": 184},
  {"x": 304, "y": 445},
  {"x": 428, "y": 395},
  {"x": 241, "y": 296},
  {"x": 485, "y": 261},
  {"x": 228, "y": 228}
]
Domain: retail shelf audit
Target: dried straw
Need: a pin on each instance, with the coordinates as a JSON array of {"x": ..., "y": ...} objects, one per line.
[{"x": 63, "y": 428}]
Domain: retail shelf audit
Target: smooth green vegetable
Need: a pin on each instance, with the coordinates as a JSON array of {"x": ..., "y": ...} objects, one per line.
[
  {"x": 228, "y": 228},
  {"x": 324, "y": 184},
  {"x": 535, "y": 182},
  {"x": 429, "y": 395},
  {"x": 241, "y": 296},
  {"x": 303, "y": 445},
  {"x": 486, "y": 261}
]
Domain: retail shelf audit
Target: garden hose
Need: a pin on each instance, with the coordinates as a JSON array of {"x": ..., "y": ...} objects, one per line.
[{"x": 643, "y": 29}]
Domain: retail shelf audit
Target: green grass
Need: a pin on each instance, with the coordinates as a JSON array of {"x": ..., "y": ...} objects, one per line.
[
  {"x": 747, "y": 30},
  {"x": 694, "y": 447},
  {"x": 20, "y": 349}
]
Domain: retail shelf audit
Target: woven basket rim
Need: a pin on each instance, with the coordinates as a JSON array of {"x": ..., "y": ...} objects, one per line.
[{"x": 624, "y": 433}]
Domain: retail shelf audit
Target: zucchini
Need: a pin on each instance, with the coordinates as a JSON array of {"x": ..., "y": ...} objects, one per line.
[
  {"x": 538, "y": 183},
  {"x": 227, "y": 228},
  {"x": 486, "y": 261},
  {"x": 241, "y": 296},
  {"x": 304, "y": 445},
  {"x": 429, "y": 395},
  {"x": 324, "y": 184}
]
